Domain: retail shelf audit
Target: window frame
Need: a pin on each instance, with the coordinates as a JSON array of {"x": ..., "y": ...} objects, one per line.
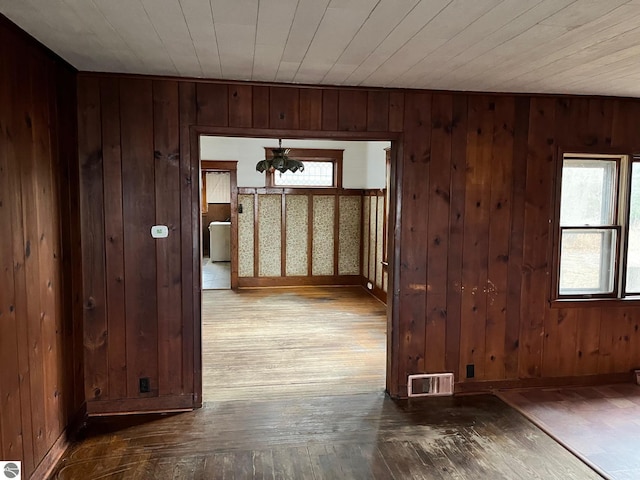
[
  {"x": 333, "y": 156},
  {"x": 624, "y": 165}
]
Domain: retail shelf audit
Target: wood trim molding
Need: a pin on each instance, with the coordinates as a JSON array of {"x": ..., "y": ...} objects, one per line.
[
  {"x": 299, "y": 191},
  {"x": 522, "y": 383},
  {"x": 66, "y": 438},
  {"x": 218, "y": 165},
  {"x": 319, "y": 280},
  {"x": 168, "y": 403}
]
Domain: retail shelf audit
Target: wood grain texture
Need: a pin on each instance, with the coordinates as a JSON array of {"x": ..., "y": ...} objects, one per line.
[
  {"x": 339, "y": 348},
  {"x": 41, "y": 289},
  {"x": 166, "y": 145},
  {"x": 364, "y": 436},
  {"x": 497, "y": 150},
  {"x": 140, "y": 263},
  {"x": 591, "y": 422}
]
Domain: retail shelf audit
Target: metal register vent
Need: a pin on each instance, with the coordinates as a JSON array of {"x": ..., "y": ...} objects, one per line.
[{"x": 430, "y": 385}]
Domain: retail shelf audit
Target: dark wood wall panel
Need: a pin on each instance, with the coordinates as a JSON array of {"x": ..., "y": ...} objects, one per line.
[
  {"x": 310, "y": 109},
  {"x": 475, "y": 182},
  {"x": 93, "y": 261},
  {"x": 114, "y": 238},
  {"x": 140, "y": 262},
  {"x": 414, "y": 229},
  {"x": 167, "y": 197},
  {"x": 352, "y": 110},
  {"x": 438, "y": 230},
  {"x": 40, "y": 317}
]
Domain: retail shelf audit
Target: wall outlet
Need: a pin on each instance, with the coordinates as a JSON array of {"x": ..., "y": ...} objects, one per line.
[
  {"x": 240, "y": 208},
  {"x": 637, "y": 372},
  {"x": 471, "y": 370},
  {"x": 145, "y": 385},
  {"x": 370, "y": 285}
]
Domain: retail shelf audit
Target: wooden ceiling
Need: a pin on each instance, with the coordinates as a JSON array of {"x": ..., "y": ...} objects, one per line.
[{"x": 545, "y": 46}]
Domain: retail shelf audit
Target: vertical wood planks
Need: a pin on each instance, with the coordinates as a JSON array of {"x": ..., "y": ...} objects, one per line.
[
  {"x": 377, "y": 111},
  {"x": 212, "y": 104},
  {"x": 499, "y": 236},
  {"x": 284, "y": 108},
  {"x": 114, "y": 236},
  {"x": 414, "y": 230},
  {"x": 189, "y": 175},
  {"x": 93, "y": 262},
  {"x": 167, "y": 200},
  {"x": 438, "y": 232},
  {"x": 37, "y": 337},
  {"x": 310, "y": 109},
  {"x": 514, "y": 275},
  {"x": 536, "y": 261},
  {"x": 476, "y": 234},
  {"x": 456, "y": 233},
  {"x": 11, "y": 444},
  {"x": 240, "y": 106},
  {"x": 329, "y": 110},
  {"x": 140, "y": 264},
  {"x": 352, "y": 110}
]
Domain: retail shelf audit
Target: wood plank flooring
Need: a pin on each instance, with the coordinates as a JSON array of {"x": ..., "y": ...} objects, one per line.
[
  {"x": 600, "y": 424},
  {"x": 294, "y": 390},
  {"x": 359, "y": 436},
  {"x": 276, "y": 343}
]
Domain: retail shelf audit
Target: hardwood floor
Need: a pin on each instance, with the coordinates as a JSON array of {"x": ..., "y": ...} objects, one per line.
[
  {"x": 599, "y": 424},
  {"x": 360, "y": 436},
  {"x": 294, "y": 390},
  {"x": 276, "y": 343}
]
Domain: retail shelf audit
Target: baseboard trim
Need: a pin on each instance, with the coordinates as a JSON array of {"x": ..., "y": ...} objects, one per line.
[
  {"x": 126, "y": 406},
  {"x": 325, "y": 280},
  {"x": 524, "y": 383},
  {"x": 46, "y": 467}
]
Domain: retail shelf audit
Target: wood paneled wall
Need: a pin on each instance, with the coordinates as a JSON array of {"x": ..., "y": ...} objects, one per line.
[
  {"x": 40, "y": 302},
  {"x": 470, "y": 246},
  {"x": 136, "y": 172}
]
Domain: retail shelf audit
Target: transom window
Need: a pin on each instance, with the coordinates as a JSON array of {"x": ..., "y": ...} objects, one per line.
[
  {"x": 599, "y": 233},
  {"x": 322, "y": 169}
]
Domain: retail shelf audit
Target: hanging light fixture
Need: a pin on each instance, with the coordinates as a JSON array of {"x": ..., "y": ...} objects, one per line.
[{"x": 280, "y": 161}]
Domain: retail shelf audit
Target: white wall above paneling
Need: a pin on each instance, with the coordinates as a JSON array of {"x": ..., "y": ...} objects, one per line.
[
  {"x": 535, "y": 46},
  {"x": 363, "y": 163}
]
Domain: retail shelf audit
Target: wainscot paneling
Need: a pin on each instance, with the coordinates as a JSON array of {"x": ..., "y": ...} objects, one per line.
[
  {"x": 41, "y": 378},
  {"x": 473, "y": 177},
  {"x": 301, "y": 237},
  {"x": 374, "y": 245}
]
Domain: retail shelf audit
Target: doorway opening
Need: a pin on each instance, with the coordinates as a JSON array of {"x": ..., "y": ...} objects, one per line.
[
  {"x": 218, "y": 194},
  {"x": 309, "y": 317}
]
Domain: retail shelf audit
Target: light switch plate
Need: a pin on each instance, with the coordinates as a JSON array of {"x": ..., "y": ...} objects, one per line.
[{"x": 159, "y": 231}]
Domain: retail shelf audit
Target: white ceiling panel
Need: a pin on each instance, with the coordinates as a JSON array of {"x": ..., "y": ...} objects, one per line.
[{"x": 537, "y": 46}]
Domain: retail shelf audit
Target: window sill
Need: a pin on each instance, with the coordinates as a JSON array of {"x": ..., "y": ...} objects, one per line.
[{"x": 595, "y": 302}]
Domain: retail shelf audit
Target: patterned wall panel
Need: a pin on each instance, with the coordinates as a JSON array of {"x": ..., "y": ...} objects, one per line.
[
  {"x": 269, "y": 235},
  {"x": 349, "y": 235},
  {"x": 245, "y": 236},
  {"x": 297, "y": 228},
  {"x": 323, "y": 234},
  {"x": 373, "y": 210},
  {"x": 379, "y": 241},
  {"x": 365, "y": 236}
]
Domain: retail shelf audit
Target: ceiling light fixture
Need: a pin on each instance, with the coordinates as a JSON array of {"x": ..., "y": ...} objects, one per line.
[{"x": 280, "y": 161}]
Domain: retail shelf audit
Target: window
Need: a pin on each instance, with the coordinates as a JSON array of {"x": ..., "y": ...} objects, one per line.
[
  {"x": 599, "y": 232},
  {"x": 322, "y": 169}
]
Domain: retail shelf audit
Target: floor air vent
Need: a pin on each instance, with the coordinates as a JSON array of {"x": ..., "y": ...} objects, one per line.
[{"x": 430, "y": 385}]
